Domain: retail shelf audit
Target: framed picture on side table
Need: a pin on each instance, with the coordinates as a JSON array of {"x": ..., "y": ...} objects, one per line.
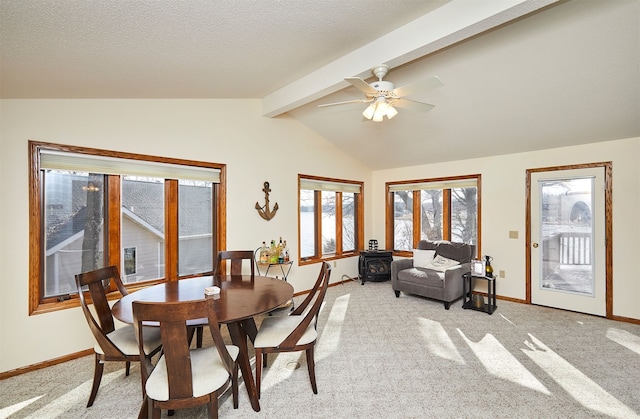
[{"x": 478, "y": 268}]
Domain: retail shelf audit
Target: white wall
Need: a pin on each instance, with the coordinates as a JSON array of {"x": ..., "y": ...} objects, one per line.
[
  {"x": 255, "y": 149},
  {"x": 504, "y": 206}
]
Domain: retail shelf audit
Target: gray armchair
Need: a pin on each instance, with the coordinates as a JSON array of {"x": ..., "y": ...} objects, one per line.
[{"x": 445, "y": 286}]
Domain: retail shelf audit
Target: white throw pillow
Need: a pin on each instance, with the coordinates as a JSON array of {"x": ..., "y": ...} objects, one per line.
[
  {"x": 441, "y": 263},
  {"x": 421, "y": 258}
]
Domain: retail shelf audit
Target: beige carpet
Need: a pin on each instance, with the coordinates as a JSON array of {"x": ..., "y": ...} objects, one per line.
[{"x": 379, "y": 356}]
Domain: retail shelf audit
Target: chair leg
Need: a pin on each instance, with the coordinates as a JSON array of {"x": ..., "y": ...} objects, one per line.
[
  {"x": 127, "y": 368},
  {"x": 311, "y": 366},
  {"x": 259, "y": 360},
  {"x": 97, "y": 377},
  {"x": 199, "y": 332},
  {"x": 199, "y": 335},
  {"x": 212, "y": 406},
  {"x": 234, "y": 385},
  {"x": 144, "y": 408}
]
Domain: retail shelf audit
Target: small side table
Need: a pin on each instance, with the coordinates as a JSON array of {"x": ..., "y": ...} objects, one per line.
[
  {"x": 468, "y": 281},
  {"x": 267, "y": 266},
  {"x": 285, "y": 268}
]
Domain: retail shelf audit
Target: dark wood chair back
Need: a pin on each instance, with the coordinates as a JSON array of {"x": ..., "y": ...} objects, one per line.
[
  {"x": 236, "y": 257},
  {"x": 275, "y": 330},
  {"x": 103, "y": 323},
  {"x": 172, "y": 318},
  {"x": 114, "y": 345},
  {"x": 316, "y": 295}
]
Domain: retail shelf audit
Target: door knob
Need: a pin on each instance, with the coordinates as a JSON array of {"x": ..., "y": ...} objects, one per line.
[{"x": 535, "y": 245}]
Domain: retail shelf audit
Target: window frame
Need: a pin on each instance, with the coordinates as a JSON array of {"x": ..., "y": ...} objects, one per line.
[
  {"x": 112, "y": 221},
  {"x": 446, "y": 209},
  {"x": 358, "y": 221}
]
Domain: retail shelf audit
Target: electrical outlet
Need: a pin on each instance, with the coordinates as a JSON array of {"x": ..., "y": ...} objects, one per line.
[
  {"x": 501, "y": 274},
  {"x": 335, "y": 263},
  {"x": 513, "y": 234}
]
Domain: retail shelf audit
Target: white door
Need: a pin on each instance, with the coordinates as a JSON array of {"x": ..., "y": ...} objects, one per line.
[{"x": 568, "y": 247}]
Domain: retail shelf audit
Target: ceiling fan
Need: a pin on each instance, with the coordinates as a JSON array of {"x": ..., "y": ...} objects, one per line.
[{"x": 383, "y": 97}]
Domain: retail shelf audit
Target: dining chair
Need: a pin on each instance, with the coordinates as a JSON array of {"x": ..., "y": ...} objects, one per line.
[
  {"x": 111, "y": 344},
  {"x": 185, "y": 377},
  {"x": 295, "y": 332},
  {"x": 236, "y": 257}
]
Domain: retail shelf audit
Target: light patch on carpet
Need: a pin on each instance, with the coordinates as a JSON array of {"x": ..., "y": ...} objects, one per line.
[
  {"x": 498, "y": 361},
  {"x": 624, "y": 338},
  {"x": 574, "y": 382},
  {"x": 278, "y": 370},
  {"x": 329, "y": 341},
  {"x": 10, "y": 410},
  {"x": 58, "y": 407},
  {"x": 438, "y": 341},
  {"x": 502, "y": 315}
]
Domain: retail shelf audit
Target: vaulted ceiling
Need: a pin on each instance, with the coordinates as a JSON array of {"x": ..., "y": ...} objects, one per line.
[{"x": 518, "y": 75}]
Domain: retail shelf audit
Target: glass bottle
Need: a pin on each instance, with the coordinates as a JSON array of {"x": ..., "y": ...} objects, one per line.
[
  {"x": 488, "y": 268},
  {"x": 286, "y": 252},
  {"x": 264, "y": 254}
]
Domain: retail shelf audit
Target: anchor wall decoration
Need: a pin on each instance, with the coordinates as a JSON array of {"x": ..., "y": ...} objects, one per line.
[{"x": 264, "y": 210}]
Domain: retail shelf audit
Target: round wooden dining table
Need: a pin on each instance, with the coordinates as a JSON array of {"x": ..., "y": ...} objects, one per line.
[{"x": 241, "y": 298}]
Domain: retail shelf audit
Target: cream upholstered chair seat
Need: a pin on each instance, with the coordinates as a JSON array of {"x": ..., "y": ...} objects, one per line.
[
  {"x": 274, "y": 330},
  {"x": 208, "y": 370},
  {"x": 125, "y": 339}
]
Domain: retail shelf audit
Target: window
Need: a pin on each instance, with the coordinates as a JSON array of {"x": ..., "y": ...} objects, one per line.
[
  {"x": 129, "y": 261},
  {"x": 156, "y": 218},
  {"x": 433, "y": 209},
  {"x": 142, "y": 225},
  {"x": 330, "y": 218},
  {"x": 195, "y": 226}
]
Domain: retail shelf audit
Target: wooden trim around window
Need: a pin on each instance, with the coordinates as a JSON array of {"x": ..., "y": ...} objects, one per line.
[
  {"x": 171, "y": 229},
  {"x": 390, "y": 209},
  {"x": 113, "y": 222},
  {"x": 359, "y": 222}
]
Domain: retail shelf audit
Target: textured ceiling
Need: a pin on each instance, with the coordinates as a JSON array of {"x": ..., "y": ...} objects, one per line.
[
  {"x": 182, "y": 49},
  {"x": 519, "y": 75}
]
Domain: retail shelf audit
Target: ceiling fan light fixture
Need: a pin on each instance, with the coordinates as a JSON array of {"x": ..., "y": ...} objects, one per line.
[
  {"x": 368, "y": 113},
  {"x": 391, "y": 112},
  {"x": 382, "y": 95},
  {"x": 381, "y": 108}
]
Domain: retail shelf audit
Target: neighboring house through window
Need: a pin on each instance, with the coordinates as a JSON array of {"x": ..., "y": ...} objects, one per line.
[
  {"x": 330, "y": 218},
  {"x": 433, "y": 209},
  {"x": 155, "y": 218}
]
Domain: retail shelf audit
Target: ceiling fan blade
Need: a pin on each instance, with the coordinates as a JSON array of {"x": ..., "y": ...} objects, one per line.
[
  {"x": 418, "y": 86},
  {"x": 345, "y": 102},
  {"x": 413, "y": 105},
  {"x": 361, "y": 84}
]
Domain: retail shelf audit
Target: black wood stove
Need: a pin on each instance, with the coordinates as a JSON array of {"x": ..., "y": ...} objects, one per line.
[{"x": 375, "y": 265}]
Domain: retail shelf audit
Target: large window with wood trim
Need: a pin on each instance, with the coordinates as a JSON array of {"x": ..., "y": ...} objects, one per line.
[
  {"x": 433, "y": 209},
  {"x": 330, "y": 218},
  {"x": 155, "y": 218}
]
